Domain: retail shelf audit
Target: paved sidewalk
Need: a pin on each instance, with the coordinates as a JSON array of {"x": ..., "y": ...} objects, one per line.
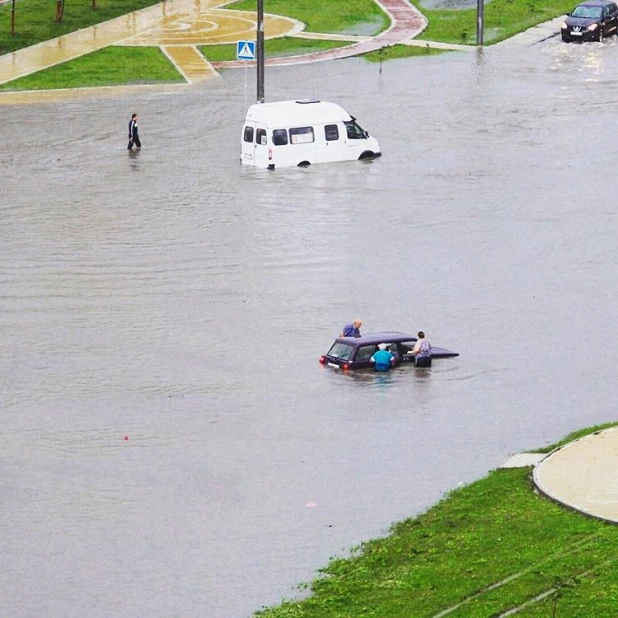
[
  {"x": 583, "y": 475},
  {"x": 534, "y": 35}
]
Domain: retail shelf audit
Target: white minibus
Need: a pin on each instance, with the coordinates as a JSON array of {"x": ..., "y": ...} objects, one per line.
[{"x": 290, "y": 133}]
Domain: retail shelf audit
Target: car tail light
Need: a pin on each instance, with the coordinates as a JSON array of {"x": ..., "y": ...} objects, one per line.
[
  {"x": 345, "y": 366},
  {"x": 322, "y": 360}
]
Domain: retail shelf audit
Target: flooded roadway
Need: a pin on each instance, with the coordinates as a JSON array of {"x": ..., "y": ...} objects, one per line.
[{"x": 182, "y": 301}]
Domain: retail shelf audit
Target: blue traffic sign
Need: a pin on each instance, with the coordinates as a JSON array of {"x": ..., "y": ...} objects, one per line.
[{"x": 245, "y": 50}]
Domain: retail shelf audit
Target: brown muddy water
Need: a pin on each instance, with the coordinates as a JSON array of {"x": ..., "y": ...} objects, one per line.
[{"x": 179, "y": 300}]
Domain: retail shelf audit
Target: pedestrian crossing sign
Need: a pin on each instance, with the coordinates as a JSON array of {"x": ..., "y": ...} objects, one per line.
[{"x": 245, "y": 50}]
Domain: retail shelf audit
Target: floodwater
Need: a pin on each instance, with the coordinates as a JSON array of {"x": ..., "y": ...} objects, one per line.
[{"x": 178, "y": 300}]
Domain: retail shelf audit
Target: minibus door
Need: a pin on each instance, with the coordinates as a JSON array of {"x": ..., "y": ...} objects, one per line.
[
  {"x": 261, "y": 148},
  {"x": 356, "y": 138},
  {"x": 247, "y": 150},
  {"x": 334, "y": 143}
]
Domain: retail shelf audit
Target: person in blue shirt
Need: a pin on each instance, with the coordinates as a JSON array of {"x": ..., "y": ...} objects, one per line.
[
  {"x": 383, "y": 359},
  {"x": 352, "y": 330}
]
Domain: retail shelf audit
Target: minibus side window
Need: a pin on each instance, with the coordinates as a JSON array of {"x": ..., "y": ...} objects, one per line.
[
  {"x": 280, "y": 137},
  {"x": 301, "y": 135},
  {"x": 248, "y": 134},
  {"x": 331, "y": 132},
  {"x": 260, "y": 137}
]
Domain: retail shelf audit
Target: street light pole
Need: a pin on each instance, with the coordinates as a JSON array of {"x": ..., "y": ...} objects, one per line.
[{"x": 259, "y": 51}]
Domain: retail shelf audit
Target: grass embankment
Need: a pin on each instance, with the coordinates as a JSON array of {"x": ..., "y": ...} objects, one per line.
[
  {"x": 490, "y": 548},
  {"x": 35, "y": 19}
]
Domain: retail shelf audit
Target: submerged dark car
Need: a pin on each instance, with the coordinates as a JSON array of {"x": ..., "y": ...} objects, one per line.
[
  {"x": 591, "y": 21},
  {"x": 356, "y": 352}
]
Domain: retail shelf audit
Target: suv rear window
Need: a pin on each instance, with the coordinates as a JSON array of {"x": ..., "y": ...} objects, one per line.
[{"x": 341, "y": 351}]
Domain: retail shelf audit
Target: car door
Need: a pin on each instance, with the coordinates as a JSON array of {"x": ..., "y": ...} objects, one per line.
[
  {"x": 611, "y": 19},
  {"x": 406, "y": 351},
  {"x": 396, "y": 350},
  {"x": 363, "y": 355}
]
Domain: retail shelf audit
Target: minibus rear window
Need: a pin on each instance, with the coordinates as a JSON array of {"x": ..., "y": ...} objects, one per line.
[
  {"x": 301, "y": 135},
  {"x": 248, "y": 134},
  {"x": 260, "y": 137},
  {"x": 331, "y": 132},
  {"x": 280, "y": 137}
]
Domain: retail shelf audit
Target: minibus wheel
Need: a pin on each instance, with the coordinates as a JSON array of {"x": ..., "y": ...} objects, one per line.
[{"x": 304, "y": 164}]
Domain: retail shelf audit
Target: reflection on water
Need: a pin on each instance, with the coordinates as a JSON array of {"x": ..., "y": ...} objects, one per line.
[{"x": 173, "y": 297}]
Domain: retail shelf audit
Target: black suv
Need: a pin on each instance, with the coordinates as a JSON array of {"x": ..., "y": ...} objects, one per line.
[{"x": 591, "y": 21}]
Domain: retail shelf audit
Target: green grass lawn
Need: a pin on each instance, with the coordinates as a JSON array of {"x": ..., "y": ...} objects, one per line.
[
  {"x": 484, "y": 550},
  {"x": 131, "y": 65},
  {"x": 35, "y": 19},
  {"x": 273, "y": 48},
  {"x": 401, "y": 51},
  {"x": 337, "y": 16},
  {"x": 503, "y": 19}
]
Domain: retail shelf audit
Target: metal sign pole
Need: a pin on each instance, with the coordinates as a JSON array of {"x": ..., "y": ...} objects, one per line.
[
  {"x": 260, "y": 51},
  {"x": 245, "y": 85}
]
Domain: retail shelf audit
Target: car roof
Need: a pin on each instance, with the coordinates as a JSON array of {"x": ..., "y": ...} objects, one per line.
[{"x": 378, "y": 337}]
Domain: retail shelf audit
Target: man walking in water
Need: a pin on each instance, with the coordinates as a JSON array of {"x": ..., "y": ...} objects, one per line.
[{"x": 133, "y": 133}]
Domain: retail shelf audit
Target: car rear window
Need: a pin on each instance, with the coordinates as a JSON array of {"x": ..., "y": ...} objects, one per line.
[{"x": 341, "y": 351}]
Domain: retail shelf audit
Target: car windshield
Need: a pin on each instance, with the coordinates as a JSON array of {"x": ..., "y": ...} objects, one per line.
[
  {"x": 340, "y": 350},
  {"x": 587, "y": 12}
]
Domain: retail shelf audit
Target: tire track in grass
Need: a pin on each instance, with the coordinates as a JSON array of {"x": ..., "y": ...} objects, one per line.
[{"x": 575, "y": 547}]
